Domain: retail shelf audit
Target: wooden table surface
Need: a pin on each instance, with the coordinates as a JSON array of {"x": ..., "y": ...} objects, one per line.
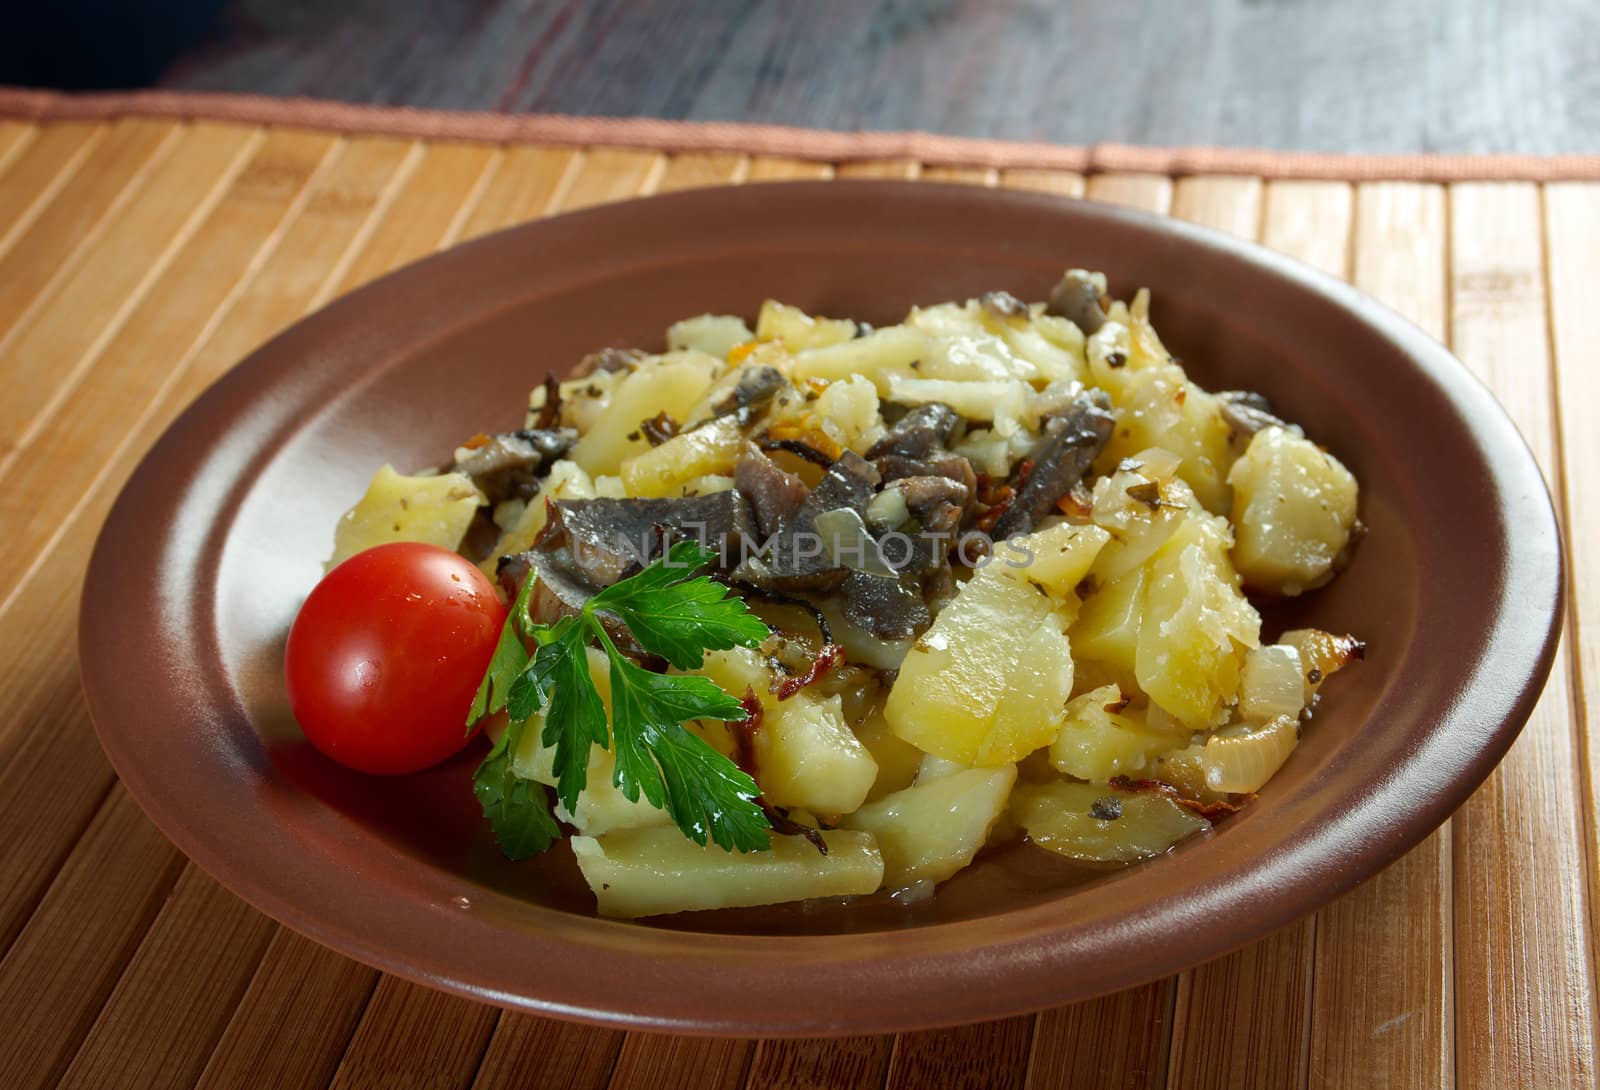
[
  {"x": 1355, "y": 76},
  {"x": 140, "y": 259}
]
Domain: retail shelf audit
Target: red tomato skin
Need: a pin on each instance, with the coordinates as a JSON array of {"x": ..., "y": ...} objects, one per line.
[{"x": 385, "y": 656}]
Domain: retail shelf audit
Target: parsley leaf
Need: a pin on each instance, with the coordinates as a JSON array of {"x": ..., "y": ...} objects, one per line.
[
  {"x": 509, "y": 660},
  {"x": 704, "y": 793},
  {"x": 674, "y": 614},
  {"x": 576, "y": 718},
  {"x": 531, "y": 688},
  {"x": 517, "y": 809},
  {"x": 671, "y": 612}
]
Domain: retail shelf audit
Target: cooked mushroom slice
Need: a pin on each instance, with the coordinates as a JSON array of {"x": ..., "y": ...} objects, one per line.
[
  {"x": 1077, "y": 299},
  {"x": 558, "y": 592},
  {"x": 1246, "y": 412},
  {"x": 1002, "y": 304},
  {"x": 933, "y": 507},
  {"x": 920, "y": 432},
  {"x": 775, "y": 496},
  {"x": 756, "y": 386},
  {"x": 607, "y": 359},
  {"x": 1070, "y": 443},
  {"x": 511, "y": 465},
  {"x": 608, "y": 538},
  {"x": 888, "y": 608},
  {"x": 954, "y": 467},
  {"x": 798, "y": 558}
]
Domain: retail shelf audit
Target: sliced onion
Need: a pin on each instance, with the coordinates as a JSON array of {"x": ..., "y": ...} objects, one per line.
[
  {"x": 1241, "y": 759},
  {"x": 1272, "y": 684},
  {"x": 850, "y": 543}
]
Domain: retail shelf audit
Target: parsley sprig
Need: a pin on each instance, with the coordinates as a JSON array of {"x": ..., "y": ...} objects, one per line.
[{"x": 670, "y": 612}]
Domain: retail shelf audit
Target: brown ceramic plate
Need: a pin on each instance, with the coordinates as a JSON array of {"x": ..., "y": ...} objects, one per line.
[{"x": 220, "y": 533}]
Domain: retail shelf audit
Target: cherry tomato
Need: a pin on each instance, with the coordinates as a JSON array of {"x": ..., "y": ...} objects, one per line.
[{"x": 385, "y": 657}]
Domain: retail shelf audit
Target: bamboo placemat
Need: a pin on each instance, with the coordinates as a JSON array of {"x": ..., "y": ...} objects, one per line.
[{"x": 141, "y": 256}]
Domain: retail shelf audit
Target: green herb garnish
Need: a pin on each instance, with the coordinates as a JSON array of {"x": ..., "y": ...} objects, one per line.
[{"x": 671, "y": 612}]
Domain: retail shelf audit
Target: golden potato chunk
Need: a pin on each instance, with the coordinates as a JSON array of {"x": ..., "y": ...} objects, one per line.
[
  {"x": 931, "y": 830},
  {"x": 1097, "y": 824},
  {"x": 665, "y": 470},
  {"x": 805, "y": 753},
  {"x": 652, "y": 872},
  {"x": 670, "y": 384},
  {"x": 1196, "y": 627},
  {"x": 988, "y": 682},
  {"x": 1102, "y": 738},
  {"x": 799, "y": 330},
  {"x": 1294, "y": 506},
  {"x": 433, "y": 510}
]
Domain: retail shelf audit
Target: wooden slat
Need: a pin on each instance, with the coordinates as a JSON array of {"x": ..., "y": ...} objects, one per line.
[
  {"x": 110, "y": 176},
  {"x": 172, "y": 1003},
  {"x": 14, "y": 136},
  {"x": 1381, "y": 1006},
  {"x": 64, "y": 964},
  {"x": 766, "y": 168},
  {"x": 52, "y": 784},
  {"x": 834, "y": 1063},
  {"x": 1311, "y": 222},
  {"x": 31, "y": 181},
  {"x": 986, "y": 176},
  {"x": 1245, "y": 1016},
  {"x": 562, "y": 1054},
  {"x": 1062, "y": 182},
  {"x": 1400, "y": 253},
  {"x": 417, "y": 1038},
  {"x": 988, "y": 1056},
  {"x": 295, "y": 1019},
  {"x": 1115, "y": 1043},
  {"x": 526, "y": 182},
  {"x": 1147, "y": 192},
  {"x": 1523, "y": 970},
  {"x": 1232, "y": 205},
  {"x": 96, "y": 417},
  {"x": 49, "y": 353},
  {"x": 880, "y": 168},
  {"x": 611, "y": 174},
  {"x": 1572, "y": 228},
  {"x": 693, "y": 171},
  {"x": 428, "y": 212},
  {"x": 653, "y": 1061}
]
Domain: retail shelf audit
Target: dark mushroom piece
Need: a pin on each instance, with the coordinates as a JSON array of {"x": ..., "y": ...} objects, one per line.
[
  {"x": 1246, "y": 412},
  {"x": 935, "y": 505},
  {"x": 606, "y": 539},
  {"x": 952, "y": 467},
  {"x": 774, "y": 495},
  {"x": 1077, "y": 299},
  {"x": 559, "y": 592},
  {"x": 919, "y": 433},
  {"x": 882, "y": 606},
  {"x": 512, "y": 465},
  {"x": 756, "y": 387},
  {"x": 1072, "y": 439},
  {"x": 607, "y": 359},
  {"x": 797, "y": 558}
]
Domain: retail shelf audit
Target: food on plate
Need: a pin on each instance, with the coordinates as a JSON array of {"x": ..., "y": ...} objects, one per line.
[{"x": 812, "y": 609}]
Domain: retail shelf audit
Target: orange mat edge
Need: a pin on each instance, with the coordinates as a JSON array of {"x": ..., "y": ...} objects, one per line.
[{"x": 779, "y": 140}]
